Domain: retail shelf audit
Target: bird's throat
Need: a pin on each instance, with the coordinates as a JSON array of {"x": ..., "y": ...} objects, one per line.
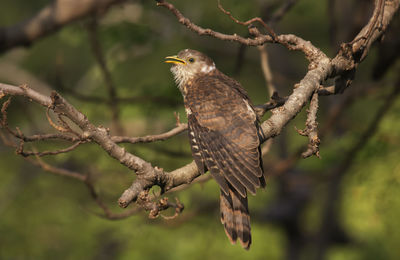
[{"x": 182, "y": 77}]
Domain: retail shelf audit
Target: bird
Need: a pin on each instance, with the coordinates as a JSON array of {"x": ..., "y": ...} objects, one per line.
[{"x": 224, "y": 135}]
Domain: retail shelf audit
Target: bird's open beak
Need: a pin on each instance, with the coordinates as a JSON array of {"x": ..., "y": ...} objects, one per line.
[{"x": 174, "y": 60}]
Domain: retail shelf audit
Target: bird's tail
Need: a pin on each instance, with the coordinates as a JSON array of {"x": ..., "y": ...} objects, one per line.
[{"x": 235, "y": 217}]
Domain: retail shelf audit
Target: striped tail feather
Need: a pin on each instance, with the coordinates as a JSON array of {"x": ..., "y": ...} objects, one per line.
[{"x": 235, "y": 217}]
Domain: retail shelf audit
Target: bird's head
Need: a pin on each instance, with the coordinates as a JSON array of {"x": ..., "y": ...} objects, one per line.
[{"x": 189, "y": 64}]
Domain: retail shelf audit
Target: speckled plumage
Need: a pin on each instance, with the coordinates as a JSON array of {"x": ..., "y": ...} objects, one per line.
[{"x": 224, "y": 136}]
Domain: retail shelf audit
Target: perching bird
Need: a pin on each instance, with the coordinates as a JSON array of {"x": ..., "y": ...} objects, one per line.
[{"x": 224, "y": 136}]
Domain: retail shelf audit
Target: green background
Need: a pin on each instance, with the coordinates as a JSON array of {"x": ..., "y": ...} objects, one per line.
[{"x": 43, "y": 216}]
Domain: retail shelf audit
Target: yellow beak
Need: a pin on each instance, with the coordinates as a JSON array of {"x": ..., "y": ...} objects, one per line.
[{"x": 174, "y": 60}]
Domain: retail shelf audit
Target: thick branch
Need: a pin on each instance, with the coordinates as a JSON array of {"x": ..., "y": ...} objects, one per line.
[
  {"x": 307, "y": 86},
  {"x": 167, "y": 181}
]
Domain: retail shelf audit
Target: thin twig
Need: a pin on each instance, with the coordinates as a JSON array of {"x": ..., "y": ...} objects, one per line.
[
  {"x": 332, "y": 119},
  {"x": 266, "y": 70},
  {"x": 249, "y": 22},
  {"x": 291, "y": 41},
  {"x": 54, "y": 125},
  {"x": 311, "y": 130},
  {"x": 150, "y": 138},
  {"x": 55, "y": 152},
  {"x": 55, "y": 170}
]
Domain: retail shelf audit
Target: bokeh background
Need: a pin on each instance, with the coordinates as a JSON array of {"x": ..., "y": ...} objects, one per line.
[{"x": 345, "y": 205}]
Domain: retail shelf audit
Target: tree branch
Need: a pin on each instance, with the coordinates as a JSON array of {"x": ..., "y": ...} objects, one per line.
[
  {"x": 311, "y": 129},
  {"x": 320, "y": 69},
  {"x": 151, "y": 138},
  {"x": 147, "y": 176}
]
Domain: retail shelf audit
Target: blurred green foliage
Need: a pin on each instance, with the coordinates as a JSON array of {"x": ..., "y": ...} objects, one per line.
[{"x": 43, "y": 216}]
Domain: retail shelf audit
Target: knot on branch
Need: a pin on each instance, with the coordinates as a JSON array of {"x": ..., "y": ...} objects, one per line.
[
  {"x": 253, "y": 30},
  {"x": 147, "y": 177},
  {"x": 155, "y": 207},
  {"x": 55, "y": 99},
  {"x": 275, "y": 101}
]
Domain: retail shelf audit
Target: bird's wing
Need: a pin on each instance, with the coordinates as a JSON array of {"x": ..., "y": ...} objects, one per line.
[{"x": 224, "y": 134}]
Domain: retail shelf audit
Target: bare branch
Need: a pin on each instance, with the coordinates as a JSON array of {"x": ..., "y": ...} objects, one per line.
[
  {"x": 292, "y": 42},
  {"x": 266, "y": 70},
  {"x": 44, "y": 137},
  {"x": 166, "y": 181},
  {"x": 320, "y": 69},
  {"x": 27, "y": 92},
  {"x": 199, "y": 180},
  {"x": 54, "y": 125},
  {"x": 373, "y": 30},
  {"x": 55, "y": 170},
  {"x": 311, "y": 129},
  {"x": 108, "y": 214},
  {"x": 249, "y": 22},
  {"x": 155, "y": 207},
  {"x": 275, "y": 101},
  {"x": 377, "y": 25},
  {"x": 55, "y": 152},
  {"x": 343, "y": 65},
  {"x": 334, "y": 115},
  {"x": 4, "y": 121},
  {"x": 98, "y": 134},
  {"x": 147, "y": 175},
  {"x": 77, "y": 176},
  {"x": 178, "y": 209},
  {"x": 150, "y": 138}
]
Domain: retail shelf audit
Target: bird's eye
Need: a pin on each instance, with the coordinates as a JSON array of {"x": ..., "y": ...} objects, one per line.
[{"x": 191, "y": 60}]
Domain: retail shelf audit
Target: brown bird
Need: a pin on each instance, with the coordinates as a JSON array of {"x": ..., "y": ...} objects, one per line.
[{"x": 224, "y": 136}]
